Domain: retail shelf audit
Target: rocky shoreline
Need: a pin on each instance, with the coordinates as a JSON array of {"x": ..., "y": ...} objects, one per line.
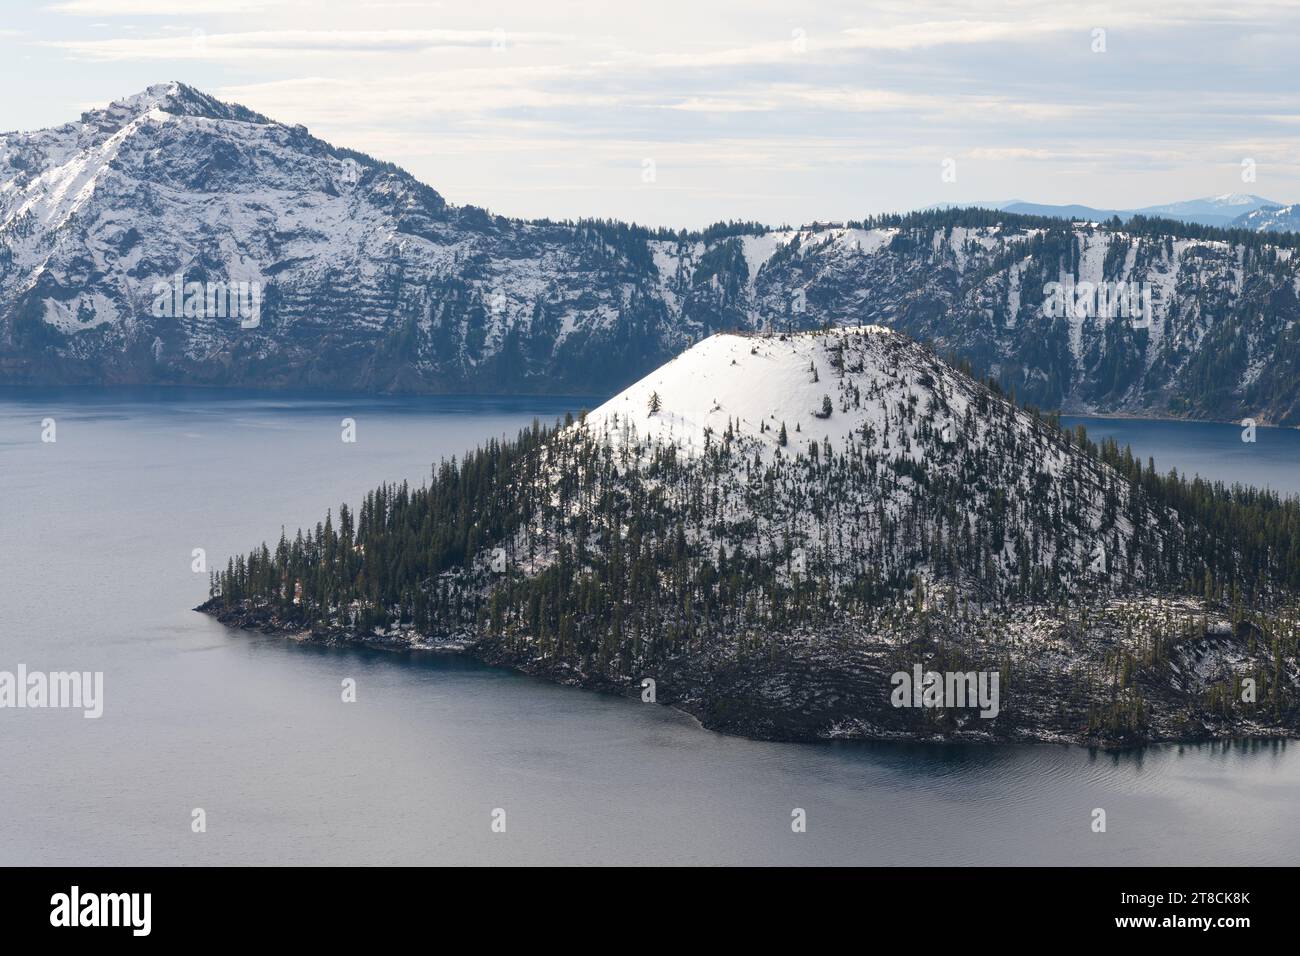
[{"x": 814, "y": 690}]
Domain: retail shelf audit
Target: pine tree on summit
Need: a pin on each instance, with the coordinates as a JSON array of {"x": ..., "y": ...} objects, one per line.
[{"x": 654, "y": 404}]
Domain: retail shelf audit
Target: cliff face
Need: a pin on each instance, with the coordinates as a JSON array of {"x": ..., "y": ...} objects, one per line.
[{"x": 125, "y": 238}]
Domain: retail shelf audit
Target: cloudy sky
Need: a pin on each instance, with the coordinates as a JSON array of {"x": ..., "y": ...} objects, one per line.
[{"x": 685, "y": 113}]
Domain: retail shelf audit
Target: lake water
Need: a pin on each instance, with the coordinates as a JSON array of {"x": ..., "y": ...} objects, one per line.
[
  {"x": 1214, "y": 451},
  {"x": 95, "y": 574}
]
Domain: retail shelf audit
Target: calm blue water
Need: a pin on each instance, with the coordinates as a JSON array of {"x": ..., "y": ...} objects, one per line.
[
  {"x": 1215, "y": 452},
  {"x": 95, "y": 553}
]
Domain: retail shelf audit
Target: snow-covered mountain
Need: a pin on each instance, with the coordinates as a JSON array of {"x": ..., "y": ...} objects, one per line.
[
  {"x": 171, "y": 238},
  {"x": 770, "y": 528},
  {"x": 1270, "y": 219},
  {"x": 367, "y": 278},
  {"x": 897, "y": 429},
  {"x": 1227, "y": 210},
  {"x": 1209, "y": 210}
]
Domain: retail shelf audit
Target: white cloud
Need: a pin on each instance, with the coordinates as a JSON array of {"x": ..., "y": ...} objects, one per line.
[
  {"x": 258, "y": 45},
  {"x": 843, "y": 101},
  {"x": 119, "y": 8}
]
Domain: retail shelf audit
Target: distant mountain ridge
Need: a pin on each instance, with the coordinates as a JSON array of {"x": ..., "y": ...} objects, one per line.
[
  {"x": 123, "y": 235},
  {"x": 1230, "y": 211},
  {"x": 1271, "y": 219}
]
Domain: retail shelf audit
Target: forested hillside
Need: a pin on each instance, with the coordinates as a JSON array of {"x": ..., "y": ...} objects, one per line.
[{"x": 770, "y": 525}]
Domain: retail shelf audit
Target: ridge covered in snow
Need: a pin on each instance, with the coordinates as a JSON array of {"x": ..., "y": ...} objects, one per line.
[{"x": 369, "y": 280}]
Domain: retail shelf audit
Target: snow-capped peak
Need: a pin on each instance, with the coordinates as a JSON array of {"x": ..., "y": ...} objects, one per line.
[
  {"x": 1236, "y": 199},
  {"x": 175, "y": 98},
  {"x": 823, "y": 386},
  {"x": 158, "y": 96}
]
